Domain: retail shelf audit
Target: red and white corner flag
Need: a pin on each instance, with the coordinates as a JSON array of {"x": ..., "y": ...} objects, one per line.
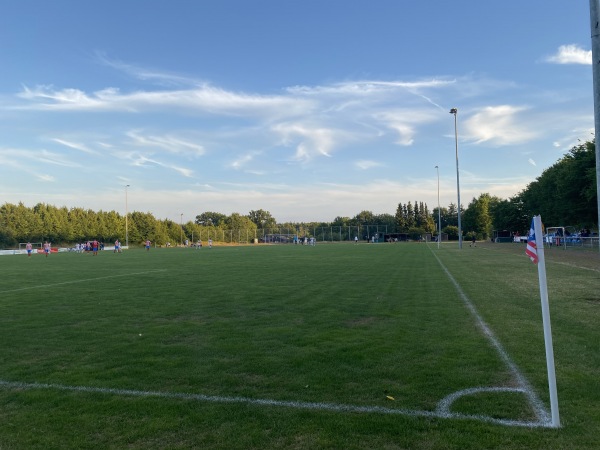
[
  {"x": 531, "y": 249},
  {"x": 535, "y": 251}
]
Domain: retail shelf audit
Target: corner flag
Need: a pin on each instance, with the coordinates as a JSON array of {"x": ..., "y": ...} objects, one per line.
[
  {"x": 535, "y": 251},
  {"x": 531, "y": 249}
]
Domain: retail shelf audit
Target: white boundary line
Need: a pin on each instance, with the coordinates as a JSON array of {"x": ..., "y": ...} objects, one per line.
[
  {"x": 524, "y": 386},
  {"x": 80, "y": 281},
  {"x": 442, "y": 412}
]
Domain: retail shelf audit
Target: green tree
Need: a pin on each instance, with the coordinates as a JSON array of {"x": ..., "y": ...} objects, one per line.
[
  {"x": 510, "y": 215},
  {"x": 410, "y": 221},
  {"x": 565, "y": 193},
  {"x": 143, "y": 226},
  {"x": 340, "y": 221},
  {"x": 364, "y": 218},
  {"x": 477, "y": 216},
  {"x": 387, "y": 221},
  {"x": 443, "y": 215},
  {"x": 400, "y": 218},
  {"x": 451, "y": 231},
  {"x": 424, "y": 219},
  {"x": 210, "y": 218},
  {"x": 240, "y": 227},
  {"x": 262, "y": 219},
  {"x": 168, "y": 231}
]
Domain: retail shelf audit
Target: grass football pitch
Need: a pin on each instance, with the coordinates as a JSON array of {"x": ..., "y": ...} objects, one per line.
[{"x": 398, "y": 346}]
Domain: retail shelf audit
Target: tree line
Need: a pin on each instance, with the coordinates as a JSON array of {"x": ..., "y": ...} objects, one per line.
[{"x": 565, "y": 194}]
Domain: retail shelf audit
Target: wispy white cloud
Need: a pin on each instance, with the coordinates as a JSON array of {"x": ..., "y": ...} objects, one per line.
[
  {"x": 35, "y": 163},
  {"x": 498, "y": 125},
  {"x": 368, "y": 87},
  {"x": 571, "y": 54},
  {"x": 145, "y": 74},
  {"x": 317, "y": 126},
  {"x": 366, "y": 164},
  {"x": 137, "y": 159},
  {"x": 169, "y": 143},
  {"x": 532, "y": 162},
  {"x": 202, "y": 99},
  {"x": 242, "y": 160},
  {"x": 76, "y": 146},
  {"x": 404, "y": 122},
  {"x": 310, "y": 141},
  {"x": 182, "y": 170}
]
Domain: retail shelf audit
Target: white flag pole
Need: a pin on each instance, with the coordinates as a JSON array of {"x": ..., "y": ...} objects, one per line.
[{"x": 539, "y": 242}]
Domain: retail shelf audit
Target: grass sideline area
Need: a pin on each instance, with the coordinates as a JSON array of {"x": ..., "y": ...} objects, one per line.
[{"x": 282, "y": 346}]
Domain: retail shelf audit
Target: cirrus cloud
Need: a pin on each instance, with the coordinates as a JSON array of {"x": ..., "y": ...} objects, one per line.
[
  {"x": 498, "y": 125},
  {"x": 571, "y": 54}
]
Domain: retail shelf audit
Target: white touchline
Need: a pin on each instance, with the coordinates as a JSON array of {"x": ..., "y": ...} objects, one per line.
[
  {"x": 81, "y": 281},
  {"x": 524, "y": 386}
]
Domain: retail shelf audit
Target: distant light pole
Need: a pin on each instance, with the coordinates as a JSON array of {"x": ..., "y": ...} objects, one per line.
[
  {"x": 181, "y": 225},
  {"x": 455, "y": 112},
  {"x": 126, "y": 220},
  {"x": 594, "y": 21},
  {"x": 439, "y": 236}
]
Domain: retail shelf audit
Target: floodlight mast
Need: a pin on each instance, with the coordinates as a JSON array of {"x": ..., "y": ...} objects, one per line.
[
  {"x": 126, "y": 219},
  {"x": 595, "y": 29},
  {"x": 439, "y": 236},
  {"x": 454, "y": 111}
]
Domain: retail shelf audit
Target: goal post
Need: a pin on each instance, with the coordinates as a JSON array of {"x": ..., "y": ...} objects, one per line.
[{"x": 23, "y": 245}]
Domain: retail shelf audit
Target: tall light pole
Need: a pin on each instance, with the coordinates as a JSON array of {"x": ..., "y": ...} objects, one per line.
[
  {"x": 455, "y": 112},
  {"x": 181, "y": 225},
  {"x": 595, "y": 28},
  {"x": 439, "y": 236},
  {"x": 126, "y": 220}
]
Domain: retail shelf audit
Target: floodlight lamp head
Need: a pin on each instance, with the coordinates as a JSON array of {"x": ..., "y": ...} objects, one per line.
[{"x": 454, "y": 111}]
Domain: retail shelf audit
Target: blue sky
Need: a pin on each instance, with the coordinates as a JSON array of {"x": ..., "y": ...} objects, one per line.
[{"x": 309, "y": 109}]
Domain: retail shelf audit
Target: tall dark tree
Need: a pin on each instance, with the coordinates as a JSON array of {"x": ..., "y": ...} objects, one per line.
[
  {"x": 400, "y": 218},
  {"x": 410, "y": 216}
]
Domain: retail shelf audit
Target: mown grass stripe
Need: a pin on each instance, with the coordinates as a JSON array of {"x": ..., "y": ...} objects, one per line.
[{"x": 86, "y": 280}]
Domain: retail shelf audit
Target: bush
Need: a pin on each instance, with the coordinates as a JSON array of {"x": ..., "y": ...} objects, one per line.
[
  {"x": 416, "y": 234},
  {"x": 470, "y": 235},
  {"x": 452, "y": 232}
]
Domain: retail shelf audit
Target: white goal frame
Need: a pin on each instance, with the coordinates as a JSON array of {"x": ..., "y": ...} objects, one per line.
[{"x": 22, "y": 245}]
